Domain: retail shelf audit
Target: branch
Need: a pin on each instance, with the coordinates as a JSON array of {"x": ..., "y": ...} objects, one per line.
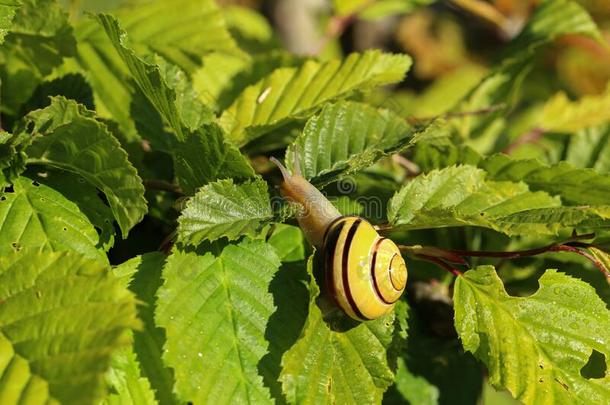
[
  {"x": 458, "y": 114},
  {"x": 440, "y": 263},
  {"x": 162, "y": 185},
  {"x": 531, "y": 136},
  {"x": 600, "y": 266},
  {"x": 442, "y": 257},
  {"x": 488, "y": 13}
]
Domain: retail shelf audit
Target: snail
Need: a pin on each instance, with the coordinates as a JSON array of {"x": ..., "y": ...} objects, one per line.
[{"x": 364, "y": 272}]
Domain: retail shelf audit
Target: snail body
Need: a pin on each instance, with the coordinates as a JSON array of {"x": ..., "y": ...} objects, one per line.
[{"x": 365, "y": 273}]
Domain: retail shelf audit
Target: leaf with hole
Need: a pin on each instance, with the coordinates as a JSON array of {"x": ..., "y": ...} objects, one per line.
[{"x": 535, "y": 346}]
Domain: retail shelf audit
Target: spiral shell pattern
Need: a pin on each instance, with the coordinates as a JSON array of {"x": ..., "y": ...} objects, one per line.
[{"x": 365, "y": 273}]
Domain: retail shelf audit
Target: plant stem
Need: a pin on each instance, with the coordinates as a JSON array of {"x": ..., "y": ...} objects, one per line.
[
  {"x": 585, "y": 254},
  {"x": 529, "y": 137},
  {"x": 487, "y": 13},
  {"x": 440, "y": 263},
  {"x": 442, "y": 257},
  {"x": 520, "y": 253},
  {"x": 458, "y": 114},
  {"x": 152, "y": 184}
]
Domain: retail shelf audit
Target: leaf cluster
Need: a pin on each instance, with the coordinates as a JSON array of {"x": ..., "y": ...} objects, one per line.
[{"x": 146, "y": 256}]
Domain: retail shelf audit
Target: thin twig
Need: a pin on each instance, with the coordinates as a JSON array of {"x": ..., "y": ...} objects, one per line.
[
  {"x": 440, "y": 263},
  {"x": 152, "y": 184},
  {"x": 411, "y": 167},
  {"x": 566, "y": 248},
  {"x": 458, "y": 114},
  {"x": 487, "y": 12},
  {"x": 520, "y": 253},
  {"x": 337, "y": 24},
  {"x": 442, "y": 257},
  {"x": 531, "y": 136}
]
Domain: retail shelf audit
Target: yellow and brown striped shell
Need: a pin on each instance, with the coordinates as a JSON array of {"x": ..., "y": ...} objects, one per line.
[{"x": 365, "y": 273}]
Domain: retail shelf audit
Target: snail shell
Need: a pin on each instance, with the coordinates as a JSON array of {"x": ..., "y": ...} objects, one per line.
[{"x": 365, "y": 273}]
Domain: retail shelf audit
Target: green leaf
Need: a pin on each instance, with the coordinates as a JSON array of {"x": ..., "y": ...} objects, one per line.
[
  {"x": 86, "y": 197},
  {"x": 552, "y": 19},
  {"x": 295, "y": 93},
  {"x": 174, "y": 106},
  {"x": 590, "y": 148},
  {"x": 176, "y": 30},
  {"x": 127, "y": 385},
  {"x": 73, "y": 140},
  {"x": 461, "y": 196},
  {"x": 7, "y": 13},
  {"x": 535, "y": 346},
  {"x": 224, "y": 209},
  {"x": 12, "y": 156},
  {"x": 222, "y": 160},
  {"x": 19, "y": 383},
  {"x": 500, "y": 87},
  {"x": 436, "y": 148},
  {"x": 346, "y": 363},
  {"x": 250, "y": 29},
  {"x": 39, "y": 39},
  {"x": 172, "y": 96},
  {"x": 288, "y": 242},
  {"x": 34, "y": 216},
  {"x": 575, "y": 186},
  {"x": 291, "y": 299},
  {"x": 144, "y": 275},
  {"x": 62, "y": 317},
  {"x": 346, "y": 137},
  {"x": 432, "y": 368},
  {"x": 562, "y": 115},
  {"x": 71, "y": 86},
  {"x": 224, "y": 76},
  {"x": 413, "y": 388},
  {"x": 220, "y": 305}
]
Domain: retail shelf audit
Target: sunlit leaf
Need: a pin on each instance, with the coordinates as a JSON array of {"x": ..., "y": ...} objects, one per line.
[
  {"x": 575, "y": 186},
  {"x": 34, "y": 216},
  {"x": 62, "y": 318},
  {"x": 346, "y": 137},
  {"x": 224, "y": 209},
  {"x": 127, "y": 386},
  {"x": 535, "y": 346},
  {"x": 345, "y": 364},
  {"x": 214, "y": 309},
  {"x": 461, "y": 196},
  {"x": 73, "y": 140},
  {"x": 291, "y": 93},
  {"x": 562, "y": 115},
  {"x": 7, "y": 13}
]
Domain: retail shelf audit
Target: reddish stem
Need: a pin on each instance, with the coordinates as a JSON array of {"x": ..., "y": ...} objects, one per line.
[
  {"x": 532, "y": 136},
  {"x": 441, "y": 264},
  {"x": 441, "y": 257},
  {"x": 522, "y": 253},
  {"x": 566, "y": 248}
]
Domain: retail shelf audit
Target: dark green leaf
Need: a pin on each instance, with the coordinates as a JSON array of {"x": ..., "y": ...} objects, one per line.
[{"x": 205, "y": 157}]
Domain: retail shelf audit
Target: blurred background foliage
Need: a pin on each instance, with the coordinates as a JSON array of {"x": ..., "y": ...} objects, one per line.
[{"x": 454, "y": 44}]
